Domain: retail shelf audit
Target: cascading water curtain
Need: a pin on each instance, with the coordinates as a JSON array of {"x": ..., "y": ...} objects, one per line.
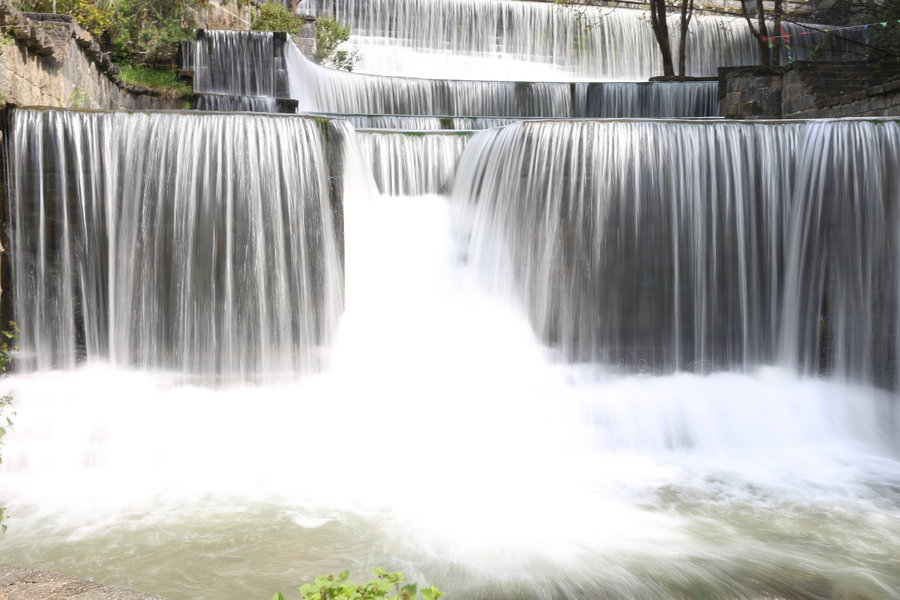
[
  {"x": 240, "y": 63},
  {"x": 590, "y": 43},
  {"x": 327, "y": 90},
  {"x": 412, "y": 163},
  {"x": 844, "y": 253},
  {"x": 200, "y": 244},
  {"x": 224, "y": 103},
  {"x": 679, "y": 245}
]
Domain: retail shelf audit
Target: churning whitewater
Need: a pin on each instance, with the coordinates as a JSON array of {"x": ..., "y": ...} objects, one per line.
[
  {"x": 652, "y": 355},
  {"x": 470, "y": 415}
]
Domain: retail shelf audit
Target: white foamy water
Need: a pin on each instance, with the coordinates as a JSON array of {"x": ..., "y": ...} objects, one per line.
[{"x": 445, "y": 441}]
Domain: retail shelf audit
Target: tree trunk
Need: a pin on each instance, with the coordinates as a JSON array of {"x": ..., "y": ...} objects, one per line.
[
  {"x": 761, "y": 34},
  {"x": 687, "y": 11},
  {"x": 779, "y": 29},
  {"x": 661, "y": 31}
]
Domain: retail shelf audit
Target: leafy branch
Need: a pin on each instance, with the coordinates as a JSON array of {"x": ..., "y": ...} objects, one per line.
[{"x": 389, "y": 586}]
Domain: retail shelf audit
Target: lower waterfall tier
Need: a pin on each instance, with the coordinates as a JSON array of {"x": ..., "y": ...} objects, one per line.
[{"x": 661, "y": 246}]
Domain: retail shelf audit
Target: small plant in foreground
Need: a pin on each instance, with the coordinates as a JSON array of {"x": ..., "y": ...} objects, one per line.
[{"x": 389, "y": 586}]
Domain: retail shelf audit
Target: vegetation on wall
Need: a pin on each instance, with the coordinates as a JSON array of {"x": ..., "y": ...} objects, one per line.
[
  {"x": 141, "y": 32},
  {"x": 94, "y": 15},
  {"x": 159, "y": 78},
  {"x": 147, "y": 32},
  {"x": 276, "y": 17},
  {"x": 330, "y": 35}
]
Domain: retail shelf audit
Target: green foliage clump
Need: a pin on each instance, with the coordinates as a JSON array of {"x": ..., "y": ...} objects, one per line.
[
  {"x": 389, "y": 586},
  {"x": 94, "y": 15},
  {"x": 158, "y": 78},
  {"x": 147, "y": 32},
  {"x": 142, "y": 32},
  {"x": 329, "y": 35},
  {"x": 274, "y": 16},
  {"x": 7, "y": 347}
]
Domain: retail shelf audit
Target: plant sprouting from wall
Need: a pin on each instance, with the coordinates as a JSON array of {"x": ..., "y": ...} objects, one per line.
[{"x": 330, "y": 36}]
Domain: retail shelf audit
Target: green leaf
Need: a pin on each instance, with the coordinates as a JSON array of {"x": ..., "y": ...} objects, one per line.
[
  {"x": 431, "y": 593},
  {"x": 278, "y": 596}
]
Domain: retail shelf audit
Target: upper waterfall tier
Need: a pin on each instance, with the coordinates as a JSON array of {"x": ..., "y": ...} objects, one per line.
[
  {"x": 326, "y": 90},
  {"x": 695, "y": 245},
  {"x": 239, "y": 63},
  {"x": 534, "y": 41},
  {"x": 203, "y": 244},
  {"x": 258, "y": 64}
]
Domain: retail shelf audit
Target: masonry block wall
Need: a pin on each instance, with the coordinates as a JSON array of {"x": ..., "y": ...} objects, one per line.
[
  {"x": 54, "y": 62},
  {"x": 810, "y": 90}
]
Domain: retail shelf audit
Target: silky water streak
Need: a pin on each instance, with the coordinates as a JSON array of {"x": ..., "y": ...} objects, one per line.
[
  {"x": 444, "y": 439},
  {"x": 200, "y": 244}
]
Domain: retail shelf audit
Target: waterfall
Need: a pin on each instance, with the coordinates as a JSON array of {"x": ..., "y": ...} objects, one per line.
[
  {"x": 419, "y": 123},
  {"x": 412, "y": 163},
  {"x": 528, "y": 41},
  {"x": 663, "y": 246},
  {"x": 240, "y": 63},
  {"x": 652, "y": 100},
  {"x": 226, "y": 103},
  {"x": 842, "y": 312},
  {"x": 326, "y": 90},
  {"x": 550, "y": 359},
  {"x": 200, "y": 244}
]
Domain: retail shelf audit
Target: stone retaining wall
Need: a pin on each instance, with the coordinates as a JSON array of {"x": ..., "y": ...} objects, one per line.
[
  {"x": 810, "y": 90},
  {"x": 51, "y": 61}
]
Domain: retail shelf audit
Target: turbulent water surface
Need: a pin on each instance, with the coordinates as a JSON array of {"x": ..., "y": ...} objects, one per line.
[{"x": 629, "y": 359}]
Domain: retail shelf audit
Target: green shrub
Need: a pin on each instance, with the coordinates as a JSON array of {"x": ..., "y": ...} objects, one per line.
[
  {"x": 274, "y": 16},
  {"x": 147, "y": 32},
  {"x": 389, "y": 586},
  {"x": 329, "y": 35},
  {"x": 95, "y": 16}
]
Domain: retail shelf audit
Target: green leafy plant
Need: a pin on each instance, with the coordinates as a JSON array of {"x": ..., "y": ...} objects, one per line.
[
  {"x": 390, "y": 586},
  {"x": 147, "y": 32},
  {"x": 6, "y": 38},
  {"x": 94, "y": 15},
  {"x": 7, "y": 348},
  {"x": 276, "y": 17},
  {"x": 330, "y": 34},
  {"x": 76, "y": 99}
]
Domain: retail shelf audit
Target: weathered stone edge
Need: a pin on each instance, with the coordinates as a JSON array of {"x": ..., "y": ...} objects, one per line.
[
  {"x": 32, "y": 35},
  {"x": 21, "y": 583}
]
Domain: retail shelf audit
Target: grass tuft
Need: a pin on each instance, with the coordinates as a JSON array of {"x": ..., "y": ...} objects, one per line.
[{"x": 156, "y": 78}]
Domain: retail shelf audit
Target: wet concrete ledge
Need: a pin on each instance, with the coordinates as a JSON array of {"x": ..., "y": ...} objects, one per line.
[{"x": 20, "y": 583}]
